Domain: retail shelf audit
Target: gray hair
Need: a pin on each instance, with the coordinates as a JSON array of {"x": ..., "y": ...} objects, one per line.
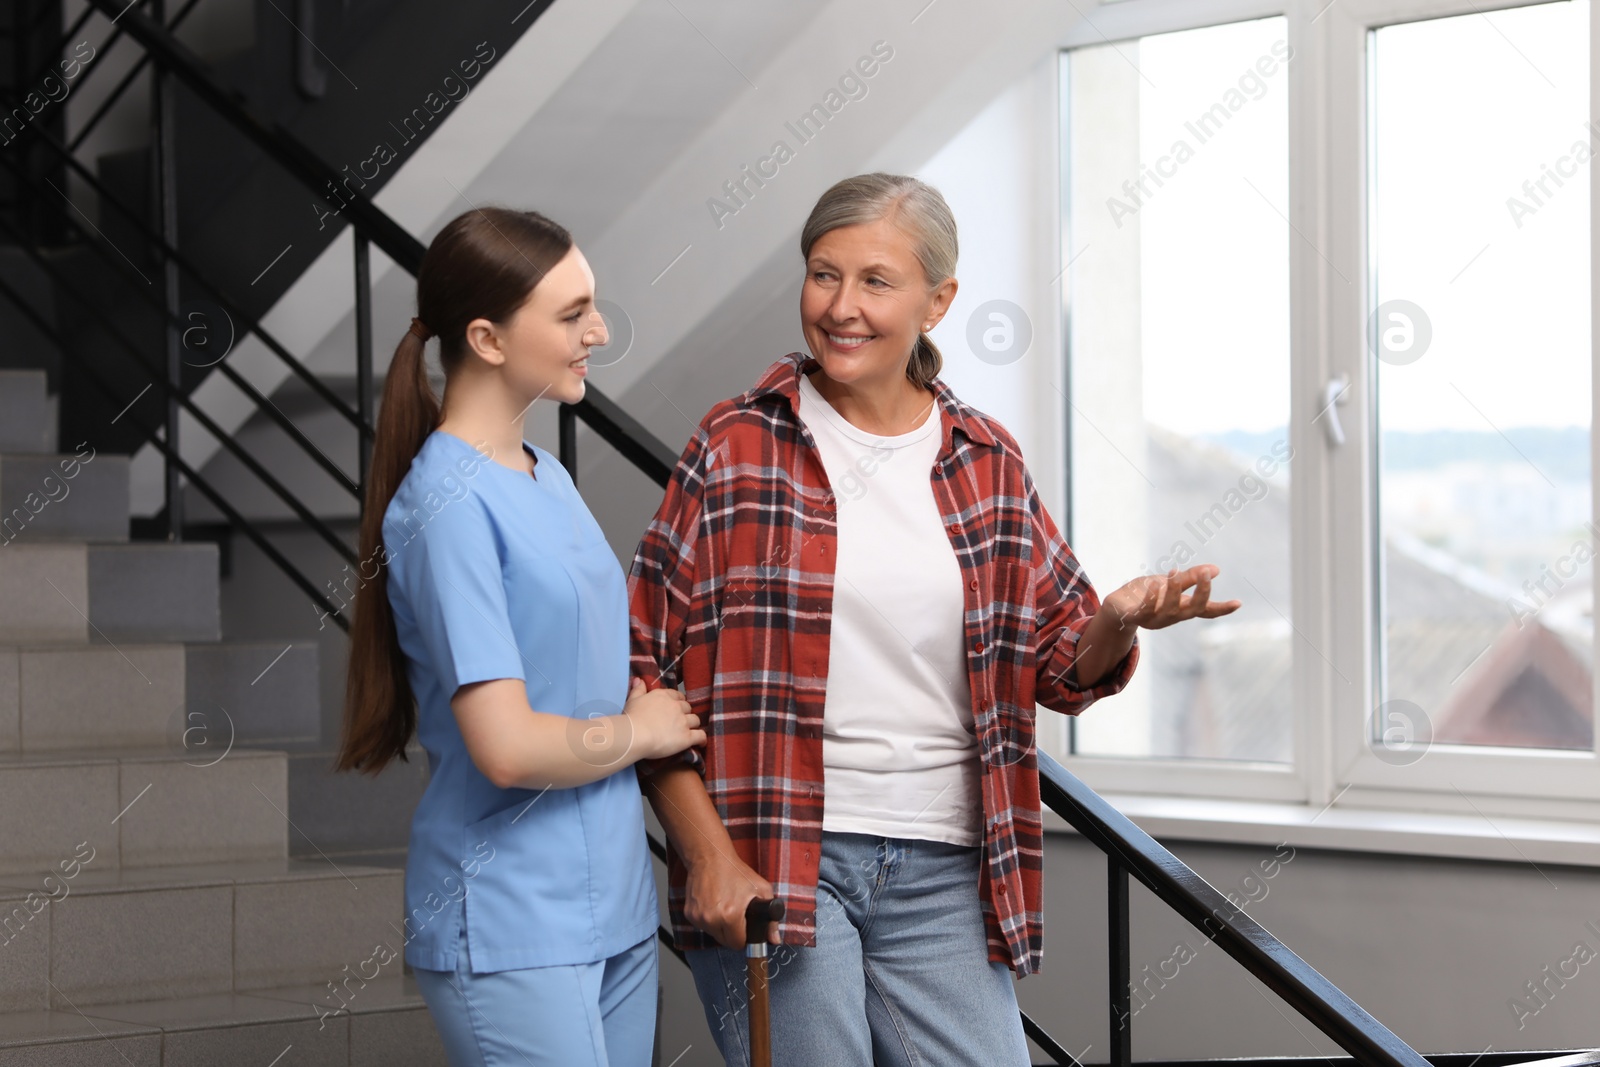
[{"x": 918, "y": 209}]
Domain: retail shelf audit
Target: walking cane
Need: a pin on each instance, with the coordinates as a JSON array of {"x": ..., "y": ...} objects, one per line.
[{"x": 757, "y": 914}]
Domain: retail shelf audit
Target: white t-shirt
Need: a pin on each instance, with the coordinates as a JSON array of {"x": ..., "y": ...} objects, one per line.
[{"x": 899, "y": 755}]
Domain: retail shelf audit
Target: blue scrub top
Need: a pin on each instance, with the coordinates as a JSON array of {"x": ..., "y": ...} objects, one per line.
[{"x": 494, "y": 573}]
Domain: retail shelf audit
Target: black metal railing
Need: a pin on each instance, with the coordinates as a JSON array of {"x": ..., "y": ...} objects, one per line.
[
  {"x": 174, "y": 63},
  {"x": 1132, "y": 853},
  {"x": 372, "y": 226}
]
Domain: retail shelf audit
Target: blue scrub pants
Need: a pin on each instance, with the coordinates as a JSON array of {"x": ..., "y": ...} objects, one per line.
[{"x": 599, "y": 1014}]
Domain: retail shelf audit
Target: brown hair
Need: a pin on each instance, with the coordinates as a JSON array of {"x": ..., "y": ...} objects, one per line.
[
  {"x": 482, "y": 265},
  {"x": 918, "y": 209}
]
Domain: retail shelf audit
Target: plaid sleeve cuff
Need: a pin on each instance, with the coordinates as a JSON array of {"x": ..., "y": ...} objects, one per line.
[{"x": 1114, "y": 682}]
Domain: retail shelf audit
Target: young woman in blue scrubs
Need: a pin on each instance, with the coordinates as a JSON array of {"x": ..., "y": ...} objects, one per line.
[{"x": 493, "y": 625}]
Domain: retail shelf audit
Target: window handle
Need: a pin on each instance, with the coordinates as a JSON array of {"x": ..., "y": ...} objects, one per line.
[{"x": 1336, "y": 392}]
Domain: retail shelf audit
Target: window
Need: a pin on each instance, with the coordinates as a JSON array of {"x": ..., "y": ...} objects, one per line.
[
  {"x": 1327, "y": 289},
  {"x": 1179, "y": 371},
  {"x": 1479, "y": 262}
]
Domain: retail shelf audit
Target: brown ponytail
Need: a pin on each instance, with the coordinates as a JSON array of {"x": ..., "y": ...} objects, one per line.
[{"x": 482, "y": 265}]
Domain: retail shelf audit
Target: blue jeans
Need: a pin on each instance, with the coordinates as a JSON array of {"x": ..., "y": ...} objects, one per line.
[
  {"x": 900, "y": 975},
  {"x": 599, "y": 1014}
]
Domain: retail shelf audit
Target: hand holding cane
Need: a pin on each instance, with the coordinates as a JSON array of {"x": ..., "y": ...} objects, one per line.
[{"x": 757, "y": 914}]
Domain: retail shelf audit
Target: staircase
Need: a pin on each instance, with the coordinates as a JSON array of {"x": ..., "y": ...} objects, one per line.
[
  {"x": 235, "y": 209},
  {"x": 152, "y": 910}
]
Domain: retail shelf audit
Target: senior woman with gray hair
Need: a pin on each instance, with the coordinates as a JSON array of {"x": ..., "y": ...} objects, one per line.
[{"x": 853, "y": 578}]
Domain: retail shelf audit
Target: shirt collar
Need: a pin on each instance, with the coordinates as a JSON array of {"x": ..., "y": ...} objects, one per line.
[{"x": 782, "y": 379}]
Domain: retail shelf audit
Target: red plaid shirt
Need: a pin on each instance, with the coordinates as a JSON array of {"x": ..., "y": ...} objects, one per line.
[{"x": 731, "y": 592}]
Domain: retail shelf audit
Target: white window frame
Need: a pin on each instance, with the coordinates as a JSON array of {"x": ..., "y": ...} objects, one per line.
[{"x": 1332, "y": 494}]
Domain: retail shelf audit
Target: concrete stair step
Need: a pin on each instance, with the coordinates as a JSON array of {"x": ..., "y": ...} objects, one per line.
[
  {"x": 196, "y": 700},
  {"x": 383, "y": 1023},
  {"x": 269, "y": 690},
  {"x": 69, "y": 1039},
  {"x": 74, "y": 496},
  {"x": 27, "y": 412},
  {"x": 352, "y": 812},
  {"x": 103, "y": 593},
  {"x": 143, "y": 807},
  {"x": 107, "y": 936}
]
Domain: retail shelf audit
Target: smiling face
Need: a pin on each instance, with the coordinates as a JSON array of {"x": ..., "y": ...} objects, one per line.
[
  {"x": 865, "y": 300},
  {"x": 543, "y": 350}
]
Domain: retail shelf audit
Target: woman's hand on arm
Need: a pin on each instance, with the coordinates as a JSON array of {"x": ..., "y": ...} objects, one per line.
[
  {"x": 517, "y": 747},
  {"x": 1153, "y": 601},
  {"x": 720, "y": 884}
]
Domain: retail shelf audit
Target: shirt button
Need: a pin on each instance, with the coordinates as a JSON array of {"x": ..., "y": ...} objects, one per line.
[
  {"x": 978, "y": 647},
  {"x": 983, "y": 705},
  {"x": 953, "y": 528},
  {"x": 807, "y": 854},
  {"x": 973, "y": 584},
  {"x": 1002, "y": 888}
]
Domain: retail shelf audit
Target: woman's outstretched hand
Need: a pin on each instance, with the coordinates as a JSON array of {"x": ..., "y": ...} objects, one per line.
[
  {"x": 1155, "y": 601},
  {"x": 1152, "y": 601}
]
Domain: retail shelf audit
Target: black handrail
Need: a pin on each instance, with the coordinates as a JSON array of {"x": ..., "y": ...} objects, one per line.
[
  {"x": 126, "y": 80},
  {"x": 365, "y": 218},
  {"x": 267, "y": 134},
  {"x": 1131, "y": 850},
  {"x": 234, "y": 312},
  {"x": 370, "y": 226},
  {"x": 1051, "y": 1046},
  {"x": 36, "y": 76},
  {"x": 625, "y": 434},
  {"x": 175, "y": 395}
]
